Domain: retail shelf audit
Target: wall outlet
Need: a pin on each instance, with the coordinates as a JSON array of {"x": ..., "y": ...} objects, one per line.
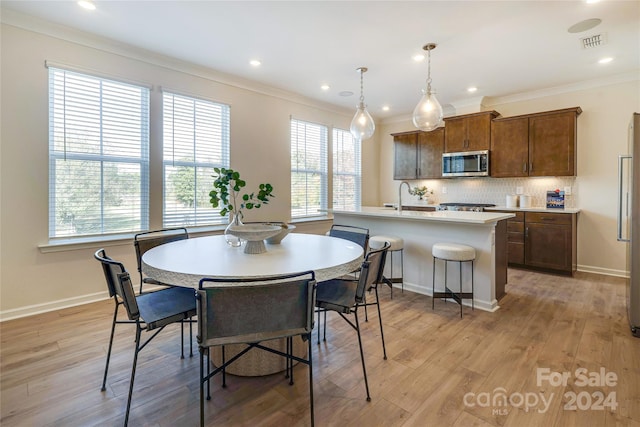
[
  {"x": 519, "y": 190},
  {"x": 444, "y": 190},
  {"x": 567, "y": 191}
]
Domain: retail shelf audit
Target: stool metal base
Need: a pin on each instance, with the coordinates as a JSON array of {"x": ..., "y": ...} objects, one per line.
[
  {"x": 448, "y": 293},
  {"x": 390, "y": 280}
]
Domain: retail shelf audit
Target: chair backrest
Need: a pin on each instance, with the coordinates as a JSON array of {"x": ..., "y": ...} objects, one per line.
[
  {"x": 232, "y": 311},
  {"x": 355, "y": 234},
  {"x": 150, "y": 239},
  {"x": 119, "y": 283},
  {"x": 371, "y": 271}
]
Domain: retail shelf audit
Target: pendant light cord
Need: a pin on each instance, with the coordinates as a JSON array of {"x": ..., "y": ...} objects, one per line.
[
  {"x": 429, "y": 71},
  {"x": 361, "y": 87}
]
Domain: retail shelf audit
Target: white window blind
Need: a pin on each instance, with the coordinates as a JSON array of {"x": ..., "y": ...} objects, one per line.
[
  {"x": 98, "y": 155},
  {"x": 347, "y": 174},
  {"x": 196, "y": 139},
  {"x": 308, "y": 169}
]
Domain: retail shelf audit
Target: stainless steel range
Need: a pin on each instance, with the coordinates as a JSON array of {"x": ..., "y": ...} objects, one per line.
[{"x": 469, "y": 207}]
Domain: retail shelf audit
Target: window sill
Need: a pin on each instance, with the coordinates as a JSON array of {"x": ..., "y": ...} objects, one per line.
[{"x": 97, "y": 242}]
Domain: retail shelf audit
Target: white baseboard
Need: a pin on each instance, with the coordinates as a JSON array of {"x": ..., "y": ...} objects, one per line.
[
  {"x": 482, "y": 305},
  {"x": 30, "y": 310},
  {"x": 600, "y": 270}
]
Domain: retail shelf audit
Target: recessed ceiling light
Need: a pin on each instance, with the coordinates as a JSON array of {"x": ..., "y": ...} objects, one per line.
[
  {"x": 86, "y": 4},
  {"x": 385, "y": 108},
  {"x": 419, "y": 57},
  {"x": 605, "y": 60},
  {"x": 472, "y": 89},
  {"x": 592, "y": 1},
  {"x": 345, "y": 93},
  {"x": 325, "y": 87},
  {"x": 255, "y": 63}
]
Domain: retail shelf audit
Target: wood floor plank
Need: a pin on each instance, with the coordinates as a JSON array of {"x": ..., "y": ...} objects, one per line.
[{"x": 51, "y": 366}]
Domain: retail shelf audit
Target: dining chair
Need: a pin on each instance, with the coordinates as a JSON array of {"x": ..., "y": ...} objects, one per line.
[
  {"x": 242, "y": 311},
  {"x": 148, "y": 312},
  {"x": 359, "y": 235},
  {"x": 150, "y": 239},
  {"x": 345, "y": 296}
]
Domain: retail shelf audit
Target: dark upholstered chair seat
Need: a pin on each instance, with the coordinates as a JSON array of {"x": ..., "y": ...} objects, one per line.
[
  {"x": 167, "y": 306},
  {"x": 336, "y": 295}
]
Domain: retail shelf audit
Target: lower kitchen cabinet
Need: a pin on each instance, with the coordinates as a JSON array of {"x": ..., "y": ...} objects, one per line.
[{"x": 542, "y": 240}]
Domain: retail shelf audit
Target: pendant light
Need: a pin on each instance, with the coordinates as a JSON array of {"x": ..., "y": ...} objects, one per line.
[
  {"x": 362, "y": 125},
  {"x": 428, "y": 113}
]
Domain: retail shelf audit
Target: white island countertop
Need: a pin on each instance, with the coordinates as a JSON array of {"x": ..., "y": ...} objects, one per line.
[{"x": 463, "y": 217}]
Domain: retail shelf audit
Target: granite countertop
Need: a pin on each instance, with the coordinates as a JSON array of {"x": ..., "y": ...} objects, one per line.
[
  {"x": 535, "y": 209},
  {"x": 442, "y": 216}
]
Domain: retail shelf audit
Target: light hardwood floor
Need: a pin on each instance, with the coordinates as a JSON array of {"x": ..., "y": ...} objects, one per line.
[{"x": 52, "y": 366}]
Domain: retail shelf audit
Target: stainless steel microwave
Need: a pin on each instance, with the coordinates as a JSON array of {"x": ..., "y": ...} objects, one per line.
[{"x": 468, "y": 163}]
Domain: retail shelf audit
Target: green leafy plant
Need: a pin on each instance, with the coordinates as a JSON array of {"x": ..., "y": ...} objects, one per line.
[
  {"x": 421, "y": 191},
  {"x": 226, "y": 191}
]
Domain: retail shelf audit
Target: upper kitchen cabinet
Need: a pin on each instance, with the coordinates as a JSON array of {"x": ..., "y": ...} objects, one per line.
[
  {"x": 541, "y": 144},
  {"x": 552, "y": 142},
  {"x": 470, "y": 132},
  {"x": 418, "y": 155}
]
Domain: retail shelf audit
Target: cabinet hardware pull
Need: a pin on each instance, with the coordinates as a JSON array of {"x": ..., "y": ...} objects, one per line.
[
  {"x": 524, "y": 167},
  {"x": 547, "y": 218},
  {"x": 526, "y": 232},
  {"x": 531, "y": 167}
]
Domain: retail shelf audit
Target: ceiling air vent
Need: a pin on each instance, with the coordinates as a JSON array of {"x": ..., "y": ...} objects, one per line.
[{"x": 594, "y": 41}]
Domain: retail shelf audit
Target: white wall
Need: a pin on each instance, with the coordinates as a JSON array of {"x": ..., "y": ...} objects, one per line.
[
  {"x": 31, "y": 280},
  {"x": 602, "y": 136}
]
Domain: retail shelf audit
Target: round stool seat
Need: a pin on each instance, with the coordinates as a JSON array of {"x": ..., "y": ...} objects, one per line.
[
  {"x": 453, "y": 252},
  {"x": 376, "y": 242}
]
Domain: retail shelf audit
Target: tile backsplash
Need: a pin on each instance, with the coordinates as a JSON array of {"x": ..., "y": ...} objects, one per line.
[{"x": 495, "y": 190}]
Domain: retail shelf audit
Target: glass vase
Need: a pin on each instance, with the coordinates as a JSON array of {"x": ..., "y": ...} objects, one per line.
[{"x": 234, "y": 219}]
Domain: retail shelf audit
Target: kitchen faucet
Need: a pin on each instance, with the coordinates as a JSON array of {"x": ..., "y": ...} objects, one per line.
[{"x": 400, "y": 195}]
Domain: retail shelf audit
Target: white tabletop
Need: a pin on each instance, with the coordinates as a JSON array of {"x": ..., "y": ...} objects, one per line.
[{"x": 185, "y": 262}]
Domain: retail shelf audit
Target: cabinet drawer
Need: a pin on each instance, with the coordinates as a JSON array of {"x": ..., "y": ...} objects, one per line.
[
  {"x": 519, "y": 217},
  {"x": 548, "y": 218},
  {"x": 515, "y": 227},
  {"x": 515, "y": 237}
]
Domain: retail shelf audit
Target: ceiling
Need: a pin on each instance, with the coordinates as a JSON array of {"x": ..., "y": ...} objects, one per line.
[{"x": 501, "y": 47}]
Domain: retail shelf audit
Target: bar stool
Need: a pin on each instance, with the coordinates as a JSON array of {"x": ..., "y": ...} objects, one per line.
[
  {"x": 452, "y": 252},
  {"x": 397, "y": 245}
]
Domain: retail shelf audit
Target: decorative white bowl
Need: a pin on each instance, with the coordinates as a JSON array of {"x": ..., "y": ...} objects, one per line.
[
  {"x": 254, "y": 234},
  {"x": 285, "y": 229}
]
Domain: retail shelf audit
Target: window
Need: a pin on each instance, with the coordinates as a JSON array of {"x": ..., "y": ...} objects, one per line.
[
  {"x": 98, "y": 155},
  {"x": 308, "y": 169},
  {"x": 196, "y": 139},
  {"x": 347, "y": 174}
]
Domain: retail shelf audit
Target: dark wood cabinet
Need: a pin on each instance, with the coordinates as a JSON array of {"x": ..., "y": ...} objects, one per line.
[
  {"x": 550, "y": 241},
  {"x": 509, "y": 155},
  {"x": 469, "y": 132},
  {"x": 552, "y": 143},
  {"x": 541, "y": 144},
  {"x": 418, "y": 155},
  {"x": 541, "y": 240}
]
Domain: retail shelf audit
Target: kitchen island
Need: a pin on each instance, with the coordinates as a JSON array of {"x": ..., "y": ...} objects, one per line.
[{"x": 484, "y": 231}]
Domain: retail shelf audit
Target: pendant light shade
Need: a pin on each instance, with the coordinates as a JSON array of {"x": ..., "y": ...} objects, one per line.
[
  {"x": 428, "y": 113},
  {"x": 362, "y": 125}
]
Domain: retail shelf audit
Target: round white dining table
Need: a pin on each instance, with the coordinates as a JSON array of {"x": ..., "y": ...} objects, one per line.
[{"x": 185, "y": 262}]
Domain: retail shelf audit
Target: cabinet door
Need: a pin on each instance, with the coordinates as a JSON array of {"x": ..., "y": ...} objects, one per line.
[
  {"x": 405, "y": 164},
  {"x": 548, "y": 246},
  {"x": 455, "y": 135},
  {"x": 430, "y": 148},
  {"x": 478, "y": 132},
  {"x": 552, "y": 144},
  {"x": 509, "y": 148}
]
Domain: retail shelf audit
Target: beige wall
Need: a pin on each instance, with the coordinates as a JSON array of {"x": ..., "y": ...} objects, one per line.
[
  {"x": 602, "y": 136},
  {"x": 32, "y": 280}
]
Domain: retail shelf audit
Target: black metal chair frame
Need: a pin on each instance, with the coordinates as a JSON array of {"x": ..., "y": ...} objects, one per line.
[
  {"x": 248, "y": 337},
  {"x": 121, "y": 290},
  {"x": 150, "y": 239},
  {"x": 359, "y": 235},
  {"x": 370, "y": 276}
]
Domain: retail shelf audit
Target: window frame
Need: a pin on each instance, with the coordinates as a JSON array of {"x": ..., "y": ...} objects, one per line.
[{"x": 336, "y": 171}]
